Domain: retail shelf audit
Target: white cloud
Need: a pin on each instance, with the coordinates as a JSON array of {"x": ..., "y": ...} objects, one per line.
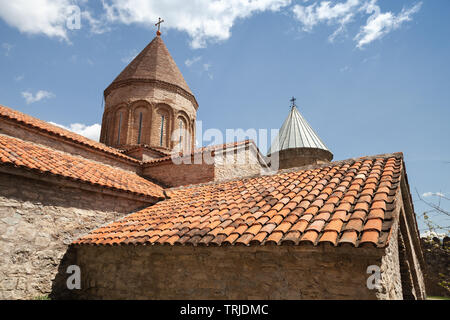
[
  {"x": 36, "y": 17},
  {"x": 52, "y": 18},
  {"x": 429, "y": 194},
  {"x": 41, "y": 94},
  {"x": 203, "y": 20},
  {"x": 340, "y": 14},
  {"x": 190, "y": 62},
  {"x": 379, "y": 24},
  {"x": 98, "y": 26},
  {"x": 91, "y": 132}
]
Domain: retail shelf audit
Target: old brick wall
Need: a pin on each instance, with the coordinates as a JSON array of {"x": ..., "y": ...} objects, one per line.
[
  {"x": 233, "y": 272},
  {"x": 37, "y": 222},
  {"x": 157, "y": 98},
  {"x": 174, "y": 175}
]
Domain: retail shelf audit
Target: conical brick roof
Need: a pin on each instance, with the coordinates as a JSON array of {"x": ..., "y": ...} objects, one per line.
[{"x": 154, "y": 63}]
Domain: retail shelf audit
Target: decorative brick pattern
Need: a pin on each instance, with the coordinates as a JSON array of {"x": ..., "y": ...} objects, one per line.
[{"x": 151, "y": 85}]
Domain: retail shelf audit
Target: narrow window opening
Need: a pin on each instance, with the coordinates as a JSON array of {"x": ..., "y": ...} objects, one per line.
[
  {"x": 162, "y": 131},
  {"x": 120, "y": 126},
  {"x": 140, "y": 128},
  {"x": 181, "y": 131}
]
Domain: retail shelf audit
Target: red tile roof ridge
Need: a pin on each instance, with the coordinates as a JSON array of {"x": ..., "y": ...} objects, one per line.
[
  {"x": 35, "y": 123},
  {"x": 346, "y": 161},
  {"x": 295, "y": 169}
]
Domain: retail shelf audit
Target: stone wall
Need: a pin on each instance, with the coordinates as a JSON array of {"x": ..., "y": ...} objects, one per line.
[
  {"x": 241, "y": 163},
  {"x": 207, "y": 167},
  {"x": 171, "y": 174},
  {"x": 38, "y": 221},
  {"x": 231, "y": 272},
  {"x": 391, "y": 282},
  {"x": 300, "y": 157},
  {"x": 437, "y": 273}
]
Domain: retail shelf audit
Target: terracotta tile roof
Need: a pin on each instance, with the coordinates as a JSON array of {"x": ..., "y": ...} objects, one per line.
[
  {"x": 348, "y": 202},
  {"x": 27, "y": 155},
  {"x": 41, "y": 125}
]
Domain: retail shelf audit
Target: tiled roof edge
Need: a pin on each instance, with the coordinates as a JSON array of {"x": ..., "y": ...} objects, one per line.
[
  {"x": 117, "y": 155},
  {"x": 80, "y": 181},
  {"x": 295, "y": 169}
]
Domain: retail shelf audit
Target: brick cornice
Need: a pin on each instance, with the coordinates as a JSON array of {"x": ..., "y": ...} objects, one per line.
[{"x": 157, "y": 83}]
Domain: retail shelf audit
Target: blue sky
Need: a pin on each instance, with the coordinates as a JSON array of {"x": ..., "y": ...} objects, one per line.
[{"x": 371, "y": 77}]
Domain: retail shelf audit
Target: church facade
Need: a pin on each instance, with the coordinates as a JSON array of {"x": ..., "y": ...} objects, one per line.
[{"x": 146, "y": 215}]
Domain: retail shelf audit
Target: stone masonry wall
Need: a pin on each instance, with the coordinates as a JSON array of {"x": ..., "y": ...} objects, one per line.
[
  {"x": 242, "y": 163},
  {"x": 437, "y": 258},
  {"x": 391, "y": 283},
  {"x": 37, "y": 222},
  {"x": 299, "y": 157},
  {"x": 174, "y": 175},
  {"x": 232, "y": 272}
]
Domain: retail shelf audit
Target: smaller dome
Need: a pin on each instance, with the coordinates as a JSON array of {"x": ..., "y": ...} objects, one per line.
[{"x": 297, "y": 144}]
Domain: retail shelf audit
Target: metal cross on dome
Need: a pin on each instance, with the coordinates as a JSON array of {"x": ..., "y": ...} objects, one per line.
[
  {"x": 158, "y": 24},
  {"x": 293, "y": 101}
]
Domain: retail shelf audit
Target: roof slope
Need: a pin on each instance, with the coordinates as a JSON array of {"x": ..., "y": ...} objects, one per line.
[
  {"x": 347, "y": 202},
  {"x": 46, "y": 127},
  {"x": 154, "y": 63},
  {"x": 296, "y": 133},
  {"x": 34, "y": 157}
]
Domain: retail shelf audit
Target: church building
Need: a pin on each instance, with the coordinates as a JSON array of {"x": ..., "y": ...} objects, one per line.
[{"x": 144, "y": 214}]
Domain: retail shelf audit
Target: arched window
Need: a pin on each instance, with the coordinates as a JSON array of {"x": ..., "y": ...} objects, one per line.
[
  {"x": 162, "y": 125},
  {"x": 119, "y": 126},
  {"x": 181, "y": 127},
  {"x": 161, "y": 134},
  {"x": 140, "y": 116},
  {"x": 182, "y": 133},
  {"x": 140, "y": 128}
]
